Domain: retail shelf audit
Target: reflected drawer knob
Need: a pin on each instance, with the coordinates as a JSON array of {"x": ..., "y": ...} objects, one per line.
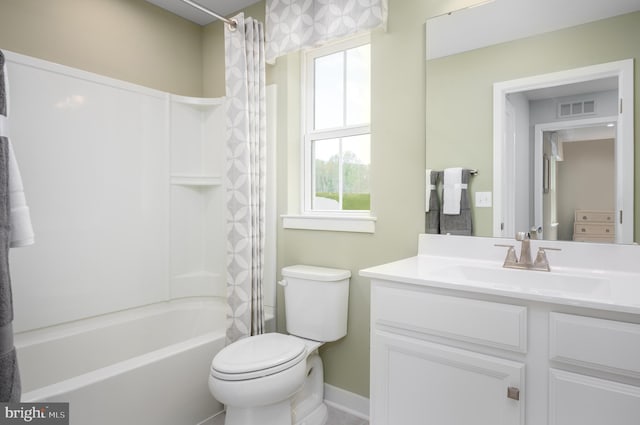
[
  {"x": 513, "y": 393},
  {"x": 584, "y": 217},
  {"x": 583, "y": 230}
]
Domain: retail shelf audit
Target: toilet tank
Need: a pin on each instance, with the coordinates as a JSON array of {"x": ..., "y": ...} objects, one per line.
[{"x": 316, "y": 302}]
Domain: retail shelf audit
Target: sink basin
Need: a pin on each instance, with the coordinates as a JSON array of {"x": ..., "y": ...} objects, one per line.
[{"x": 548, "y": 283}]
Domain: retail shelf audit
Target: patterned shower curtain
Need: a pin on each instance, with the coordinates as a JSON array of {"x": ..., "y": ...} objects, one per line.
[{"x": 245, "y": 176}]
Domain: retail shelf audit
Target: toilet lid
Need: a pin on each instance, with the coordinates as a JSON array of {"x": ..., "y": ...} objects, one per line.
[{"x": 256, "y": 356}]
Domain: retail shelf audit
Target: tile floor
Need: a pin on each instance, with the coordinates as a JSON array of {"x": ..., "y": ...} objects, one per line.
[{"x": 336, "y": 417}]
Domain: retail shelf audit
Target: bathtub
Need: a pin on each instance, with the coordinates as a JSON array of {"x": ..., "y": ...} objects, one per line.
[{"x": 147, "y": 365}]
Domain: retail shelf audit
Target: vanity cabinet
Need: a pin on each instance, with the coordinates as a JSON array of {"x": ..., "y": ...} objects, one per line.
[
  {"x": 425, "y": 367},
  {"x": 450, "y": 357}
]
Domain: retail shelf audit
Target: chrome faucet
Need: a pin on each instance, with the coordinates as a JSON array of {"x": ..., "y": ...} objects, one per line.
[{"x": 525, "y": 262}]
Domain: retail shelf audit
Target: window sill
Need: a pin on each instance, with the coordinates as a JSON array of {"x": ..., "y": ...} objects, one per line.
[{"x": 333, "y": 223}]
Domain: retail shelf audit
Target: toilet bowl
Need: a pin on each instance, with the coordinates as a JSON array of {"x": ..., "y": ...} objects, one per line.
[{"x": 278, "y": 379}]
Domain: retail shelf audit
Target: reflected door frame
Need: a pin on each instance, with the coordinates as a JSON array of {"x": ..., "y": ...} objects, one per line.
[{"x": 504, "y": 187}]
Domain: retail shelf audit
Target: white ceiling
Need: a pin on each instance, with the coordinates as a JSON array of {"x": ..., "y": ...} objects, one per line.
[{"x": 221, "y": 7}]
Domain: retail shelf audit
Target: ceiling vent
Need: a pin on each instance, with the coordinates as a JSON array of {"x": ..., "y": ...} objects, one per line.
[{"x": 572, "y": 109}]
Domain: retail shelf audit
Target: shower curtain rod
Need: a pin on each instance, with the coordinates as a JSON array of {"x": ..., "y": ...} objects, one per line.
[{"x": 232, "y": 24}]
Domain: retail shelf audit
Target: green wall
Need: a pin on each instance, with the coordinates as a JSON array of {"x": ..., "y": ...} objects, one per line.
[
  {"x": 460, "y": 93},
  {"x": 130, "y": 40}
]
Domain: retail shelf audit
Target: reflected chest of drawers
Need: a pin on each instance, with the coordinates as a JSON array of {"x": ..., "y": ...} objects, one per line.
[{"x": 594, "y": 226}]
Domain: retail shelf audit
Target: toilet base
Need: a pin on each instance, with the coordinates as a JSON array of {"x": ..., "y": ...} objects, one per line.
[
  {"x": 307, "y": 407},
  {"x": 273, "y": 414},
  {"x": 318, "y": 416}
]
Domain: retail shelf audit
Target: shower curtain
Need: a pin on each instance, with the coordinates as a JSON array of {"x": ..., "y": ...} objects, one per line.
[{"x": 245, "y": 176}]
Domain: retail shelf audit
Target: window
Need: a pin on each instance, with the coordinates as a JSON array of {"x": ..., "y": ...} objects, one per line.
[
  {"x": 337, "y": 133},
  {"x": 336, "y": 159}
]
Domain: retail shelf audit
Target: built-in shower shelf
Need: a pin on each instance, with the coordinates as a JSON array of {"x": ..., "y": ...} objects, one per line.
[
  {"x": 197, "y": 224},
  {"x": 205, "y": 181},
  {"x": 198, "y": 101}
]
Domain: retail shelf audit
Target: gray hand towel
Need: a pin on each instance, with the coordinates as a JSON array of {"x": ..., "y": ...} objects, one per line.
[
  {"x": 9, "y": 373},
  {"x": 459, "y": 224},
  {"x": 432, "y": 217}
]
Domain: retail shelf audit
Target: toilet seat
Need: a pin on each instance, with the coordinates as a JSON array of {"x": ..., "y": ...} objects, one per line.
[{"x": 258, "y": 356}]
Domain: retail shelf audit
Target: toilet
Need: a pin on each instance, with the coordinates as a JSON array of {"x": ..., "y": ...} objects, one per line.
[{"x": 278, "y": 379}]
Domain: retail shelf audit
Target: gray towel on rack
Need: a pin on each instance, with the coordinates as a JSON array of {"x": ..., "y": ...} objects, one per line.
[
  {"x": 459, "y": 224},
  {"x": 10, "y": 387},
  {"x": 432, "y": 217}
]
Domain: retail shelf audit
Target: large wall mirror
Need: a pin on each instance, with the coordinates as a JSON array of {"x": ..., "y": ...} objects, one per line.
[{"x": 539, "y": 97}]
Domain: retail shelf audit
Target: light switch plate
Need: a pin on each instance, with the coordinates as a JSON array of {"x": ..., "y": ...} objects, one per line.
[{"x": 483, "y": 199}]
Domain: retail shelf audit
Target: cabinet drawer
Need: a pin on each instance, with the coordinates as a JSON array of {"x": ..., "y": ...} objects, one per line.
[
  {"x": 481, "y": 322},
  {"x": 589, "y": 342},
  {"x": 597, "y": 216},
  {"x": 599, "y": 229}
]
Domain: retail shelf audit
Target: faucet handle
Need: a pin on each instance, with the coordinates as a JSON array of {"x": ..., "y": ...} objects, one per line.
[
  {"x": 511, "y": 259},
  {"x": 541, "y": 262}
]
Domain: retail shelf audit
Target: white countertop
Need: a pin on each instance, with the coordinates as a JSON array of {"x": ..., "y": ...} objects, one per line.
[{"x": 603, "y": 288}]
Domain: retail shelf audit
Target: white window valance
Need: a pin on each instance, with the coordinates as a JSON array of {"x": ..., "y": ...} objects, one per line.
[{"x": 292, "y": 25}]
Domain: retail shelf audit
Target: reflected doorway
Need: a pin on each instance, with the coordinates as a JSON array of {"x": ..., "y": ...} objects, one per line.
[
  {"x": 596, "y": 92},
  {"x": 578, "y": 181}
]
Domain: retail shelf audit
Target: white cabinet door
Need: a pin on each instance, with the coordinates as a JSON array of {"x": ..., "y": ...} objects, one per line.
[
  {"x": 418, "y": 382},
  {"x": 583, "y": 400}
]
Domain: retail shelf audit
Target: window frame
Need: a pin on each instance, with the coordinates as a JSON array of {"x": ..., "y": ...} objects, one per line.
[{"x": 309, "y": 135}]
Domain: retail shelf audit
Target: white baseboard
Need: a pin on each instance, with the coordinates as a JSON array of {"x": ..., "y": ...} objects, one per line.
[{"x": 346, "y": 401}]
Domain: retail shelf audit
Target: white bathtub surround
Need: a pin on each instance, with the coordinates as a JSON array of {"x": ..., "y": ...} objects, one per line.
[
  {"x": 245, "y": 176},
  {"x": 166, "y": 200},
  {"x": 98, "y": 193}
]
